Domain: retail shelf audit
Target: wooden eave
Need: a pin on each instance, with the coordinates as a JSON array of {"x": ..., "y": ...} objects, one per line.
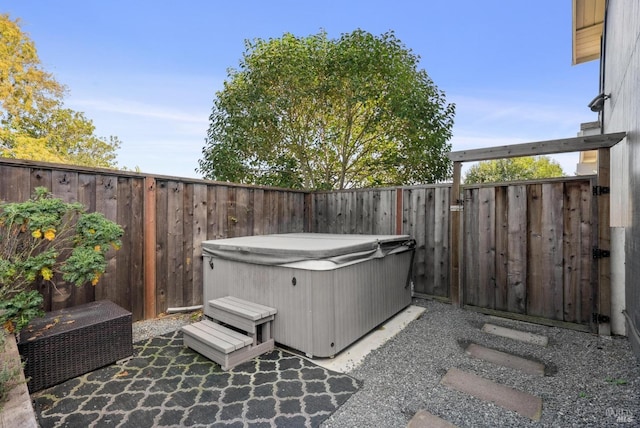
[
  {"x": 588, "y": 24},
  {"x": 565, "y": 145}
]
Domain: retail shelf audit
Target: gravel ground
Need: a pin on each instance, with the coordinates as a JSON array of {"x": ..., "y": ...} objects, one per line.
[
  {"x": 592, "y": 381},
  {"x": 143, "y": 330}
]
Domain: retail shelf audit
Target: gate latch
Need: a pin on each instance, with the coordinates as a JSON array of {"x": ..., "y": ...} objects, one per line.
[
  {"x": 601, "y": 190},
  {"x": 598, "y": 253},
  {"x": 599, "y": 318}
]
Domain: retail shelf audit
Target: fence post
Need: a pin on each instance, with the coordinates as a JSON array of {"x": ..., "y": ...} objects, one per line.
[
  {"x": 308, "y": 212},
  {"x": 399, "y": 211},
  {"x": 149, "y": 251},
  {"x": 603, "y": 303},
  {"x": 455, "y": 244}
]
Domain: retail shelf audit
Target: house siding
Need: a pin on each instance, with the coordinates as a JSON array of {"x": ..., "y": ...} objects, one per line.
[{"x": 621, "y": 80}]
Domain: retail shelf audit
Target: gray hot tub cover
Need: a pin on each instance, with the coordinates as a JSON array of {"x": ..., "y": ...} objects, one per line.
[{"x": 307, "y": 250}]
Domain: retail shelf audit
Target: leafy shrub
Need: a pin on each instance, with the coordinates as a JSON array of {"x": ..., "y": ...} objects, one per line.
[
  {"x": 46, "y": 238},
  {"x": 20, "y": 309}
]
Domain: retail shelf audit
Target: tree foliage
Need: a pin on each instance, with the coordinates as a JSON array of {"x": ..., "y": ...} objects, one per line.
[
  {"x": 34, "y": 124},
  {"x": 318, "y": 113},
  {"x": 511, "y": 169}
]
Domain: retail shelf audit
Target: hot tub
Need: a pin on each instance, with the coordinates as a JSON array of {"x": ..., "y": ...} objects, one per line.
[{"x": 329, "y": 290}]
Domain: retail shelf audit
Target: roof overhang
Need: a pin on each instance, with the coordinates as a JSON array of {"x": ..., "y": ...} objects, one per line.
[
  {"x": 565, "y": 145},
  {"x": 588, "y": 24}
]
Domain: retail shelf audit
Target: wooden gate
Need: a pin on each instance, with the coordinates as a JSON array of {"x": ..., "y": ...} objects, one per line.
[{"x": 527, "y": 251}]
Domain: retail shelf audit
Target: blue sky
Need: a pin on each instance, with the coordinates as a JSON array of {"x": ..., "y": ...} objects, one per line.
[{"x": 147, "y": 71}]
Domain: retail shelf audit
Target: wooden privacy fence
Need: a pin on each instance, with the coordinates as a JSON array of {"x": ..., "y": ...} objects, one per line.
[
  {"x": 549, "y": 236},
  {"x": 524, "y": 249},
  {"x": 421, "y": 212},
  {"x": 527, "y": 249},
  {"x": 164, "y": 218}
]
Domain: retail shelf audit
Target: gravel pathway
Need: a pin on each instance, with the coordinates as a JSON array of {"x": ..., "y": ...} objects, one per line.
[
  {"x": 591, "y": 380},
  {"x": 143, "y": 330}
]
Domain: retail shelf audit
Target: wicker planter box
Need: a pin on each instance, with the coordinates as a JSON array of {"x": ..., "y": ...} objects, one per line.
[{"x": 74, "y": 341}]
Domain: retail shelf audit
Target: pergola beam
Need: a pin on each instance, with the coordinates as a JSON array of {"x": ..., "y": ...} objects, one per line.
[{"x": 565, "y": 145}]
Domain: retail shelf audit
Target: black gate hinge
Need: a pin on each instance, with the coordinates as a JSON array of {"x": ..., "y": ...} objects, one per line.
[
  {"x": 599, "y": 318},
  {"x": 598, "y": 253},
  {"x": 601, "y": 190}
]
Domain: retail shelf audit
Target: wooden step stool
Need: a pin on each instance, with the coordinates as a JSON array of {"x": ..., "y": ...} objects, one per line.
[{"x": 227, "y": 346}]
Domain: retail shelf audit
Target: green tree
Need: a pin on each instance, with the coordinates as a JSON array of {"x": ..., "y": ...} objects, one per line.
[
  {"x": 522, "y": 168},
  {"x": 34, "y": 124},
  {"x": 318, "y": 113}
]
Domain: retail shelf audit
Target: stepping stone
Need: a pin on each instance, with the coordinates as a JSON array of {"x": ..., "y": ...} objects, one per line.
[
  {"x": 512, "y": 399},
  {"x": 510, "y": 333},
  {"x": 505, "y": 359},
  {"x": 424, "y": 419},
  {"x": 512, "y": 321}
]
